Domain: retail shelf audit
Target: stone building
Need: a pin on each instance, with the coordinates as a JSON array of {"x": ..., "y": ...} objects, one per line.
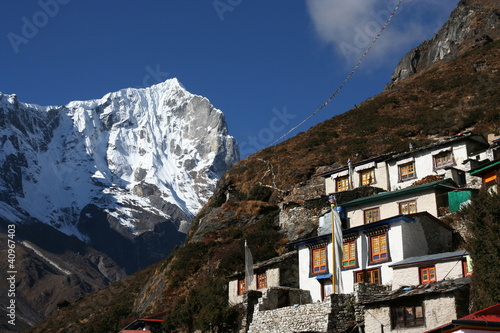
[
  {"x": 415, "y": 309},
  {"x": 280, "y": 271}
]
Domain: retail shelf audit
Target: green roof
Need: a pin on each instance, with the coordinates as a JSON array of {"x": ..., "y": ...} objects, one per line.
[
  {"x": 486, "y": 167},
  {"x": 390, "y": 194}
]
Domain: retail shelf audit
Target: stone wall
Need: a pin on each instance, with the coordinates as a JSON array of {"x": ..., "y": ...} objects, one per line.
[
  {"x": 335, "y": 314},
  {"x": 301, "y": 318}
]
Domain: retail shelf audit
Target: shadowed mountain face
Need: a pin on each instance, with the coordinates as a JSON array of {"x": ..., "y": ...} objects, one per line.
[
  {"x": 121, "y": 176},
  {"x": 440, "y": 98}
]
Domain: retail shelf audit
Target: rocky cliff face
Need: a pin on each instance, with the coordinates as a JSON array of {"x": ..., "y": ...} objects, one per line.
[
  {"x": 470, "y": 21},
  {"x": 122, "y": 175}
]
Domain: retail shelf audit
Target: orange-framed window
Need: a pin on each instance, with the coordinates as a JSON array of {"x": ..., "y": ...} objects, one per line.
[
  {"x": 427, "y": 274},
  {"x": 367, "y": 176},
  {"x": 319, "y": 262},
  {"x": 490, "y": 177},
  {"x": 371, "y": 215},
  {"x": 407, "y": 316},
  {"x": 466, "y": 268},
  {"x": 378, "y": 247},
  {"x": 261, "y": 280},
  {"x": 407, "y": 171},
  {"x": 342, "y": 183},
  {"x": 349, "y": 254},
  {"x": 241, "y": 286},
  {"x": 408, "y": 207},
  {"x": 443, "y": 159},
  {"x": 368, "y": 276}
]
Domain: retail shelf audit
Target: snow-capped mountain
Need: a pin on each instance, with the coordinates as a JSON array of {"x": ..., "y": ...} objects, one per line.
[{"x": 133, "y": 164}]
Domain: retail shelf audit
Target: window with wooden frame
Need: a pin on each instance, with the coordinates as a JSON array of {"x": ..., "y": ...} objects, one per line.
[
  {"x": 368, "y": 276},
  {"x": 261, "y": 280},
  {"x": 490, "y": 177},
  {"x": 378, "y": 248},
  {"x": 427, "y": 274},
  {"x": 241, "y": 286},
  {"x": 342, "y": 184},
  {"x": 443, "y": 159},
  {"x": 407, "y": 171},
  {"x": 349, "y": 254},
  {"x": 318, "y": 260},
  {"x": 408, "y": 207},
  {"x": 407, "y": 316},
  {"x": 466, "y": 268},
  {"x": 371, "y": 215},
  {"x": 367, "y": 177}
]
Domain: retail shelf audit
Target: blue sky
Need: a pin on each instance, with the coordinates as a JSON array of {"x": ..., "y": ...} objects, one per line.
[{"x": 266, "y": 64}]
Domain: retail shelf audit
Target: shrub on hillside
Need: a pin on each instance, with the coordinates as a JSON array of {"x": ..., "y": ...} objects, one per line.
[{"x": 482, "y": 218}]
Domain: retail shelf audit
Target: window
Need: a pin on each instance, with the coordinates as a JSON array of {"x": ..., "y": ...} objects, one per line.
[
  {"x": 408, "y": 207},
  {"x": 261, "y": 280},
  {"x": 467, "y": 268},
  {"x": 407, "y": 171},
  {"x": 367, "y": 176},
  {"x": 378, "y": 247},
  {"x": 241, "y": 286},
  {"x": 427, "y": 274},
  {"x": 368, "y": 276},
  {"x": 371, "y": 215},
  {"x": 349, "y": 254},
  {"x": 443, "y": 159},
  {"x": 490, "y": 177},
  {"x": 319, "y": 260},
  {"x": 342, "y": 183},
  {"x": 407, "y": 316}
]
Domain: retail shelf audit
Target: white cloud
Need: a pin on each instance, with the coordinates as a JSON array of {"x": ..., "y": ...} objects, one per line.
[{"x": 351, "y": 25}]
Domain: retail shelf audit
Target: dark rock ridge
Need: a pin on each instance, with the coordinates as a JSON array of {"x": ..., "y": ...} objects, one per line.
[{"x": 468, "y": 20}]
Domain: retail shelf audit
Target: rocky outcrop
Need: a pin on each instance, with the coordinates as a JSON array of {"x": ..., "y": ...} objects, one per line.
[{"x": 470, "y": 24}]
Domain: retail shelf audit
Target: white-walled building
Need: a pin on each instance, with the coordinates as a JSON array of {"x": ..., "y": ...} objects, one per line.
[
  {"x": 431, "y": 198},
  {"x": 447, "y": 159},
  {"x": 368, "y": 251},
  {"x": 431, "y": 268},
  {"x": 371, "y": 172},
  {"x": 417, "y": 308}
]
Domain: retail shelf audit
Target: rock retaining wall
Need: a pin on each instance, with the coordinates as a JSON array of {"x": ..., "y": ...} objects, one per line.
[{"x": 329, "y": 316}]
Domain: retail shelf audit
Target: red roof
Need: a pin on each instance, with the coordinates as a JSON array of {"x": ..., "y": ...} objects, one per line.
[{"x": 489, "y": 314}]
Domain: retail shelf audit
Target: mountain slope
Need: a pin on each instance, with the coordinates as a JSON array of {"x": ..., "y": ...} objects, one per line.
[{"x": 440, "y": 99}]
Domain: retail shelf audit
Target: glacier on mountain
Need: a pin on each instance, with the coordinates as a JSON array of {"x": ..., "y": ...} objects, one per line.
[{"x": 142, "y": 156}]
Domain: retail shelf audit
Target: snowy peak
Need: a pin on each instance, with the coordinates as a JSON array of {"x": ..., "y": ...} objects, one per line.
[{"x": 131, "y": 151}]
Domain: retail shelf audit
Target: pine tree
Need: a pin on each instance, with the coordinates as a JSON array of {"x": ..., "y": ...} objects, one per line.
[{"x": 482, "y": 218}]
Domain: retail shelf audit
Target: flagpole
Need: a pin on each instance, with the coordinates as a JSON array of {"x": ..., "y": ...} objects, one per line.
[{"x": 332, "y": 205}]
